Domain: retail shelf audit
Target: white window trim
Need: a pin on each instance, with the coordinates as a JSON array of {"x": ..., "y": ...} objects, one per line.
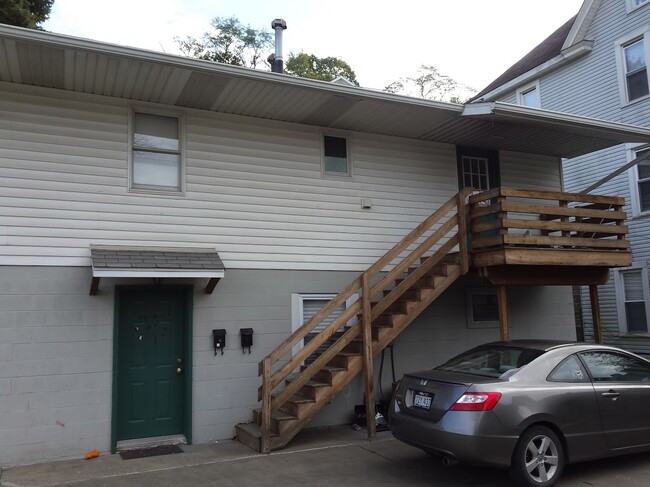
[
  {"x": 297, "y": 310},
  {"x": 631, "y": 7},
  {"x": 181, "y": 144},
  {"x": 521, "y": 91},
  {"x": 620, "y": 297},
  {"x": 633, "y": 178},
  {"x": 348, "y": 147},
  {"x": 643, "y": 33},
  {"x": 473, "y": 291}
]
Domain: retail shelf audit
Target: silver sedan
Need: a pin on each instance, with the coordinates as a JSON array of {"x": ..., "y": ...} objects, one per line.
[{"x": 530, "y": 406}]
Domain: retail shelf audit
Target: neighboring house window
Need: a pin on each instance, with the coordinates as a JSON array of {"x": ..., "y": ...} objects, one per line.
[
  {"x": 634, "y": 4},
  {"x": 156, "y": 152},
  {"x": 482, "y": 307},
  {"x": 640, "y": 182},
  {"x": 529, "y": 95},
  {"x": 336, "y": 156},
  {"x": 633, "y": 297},
  {"x": 632, "y": 58}
]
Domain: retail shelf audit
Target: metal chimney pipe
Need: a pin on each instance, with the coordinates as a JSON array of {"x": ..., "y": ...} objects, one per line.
[{"x": 277, "y": 65}]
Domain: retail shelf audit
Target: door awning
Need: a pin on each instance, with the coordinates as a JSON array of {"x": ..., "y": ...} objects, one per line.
[{"x": 155, "y": 262}]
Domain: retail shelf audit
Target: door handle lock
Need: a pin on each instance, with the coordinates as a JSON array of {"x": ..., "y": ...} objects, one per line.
[
  {"x": 611, "y": 394},
  {"x": 179, "y": 370}
]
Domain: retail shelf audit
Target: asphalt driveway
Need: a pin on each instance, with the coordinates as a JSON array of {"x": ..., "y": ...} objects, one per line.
[{"x": 317, "y": 458}]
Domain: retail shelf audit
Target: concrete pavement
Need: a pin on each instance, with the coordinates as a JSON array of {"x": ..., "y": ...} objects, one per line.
[{"x": 326, "y": 457}]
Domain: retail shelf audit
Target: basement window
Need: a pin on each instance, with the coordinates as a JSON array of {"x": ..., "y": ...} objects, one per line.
[
  {"x": 304, "y": 306},
  {"x": 156, "y": 152},
  {"x": 336, "y": 156},
  {"x": 482, "y": 307}
]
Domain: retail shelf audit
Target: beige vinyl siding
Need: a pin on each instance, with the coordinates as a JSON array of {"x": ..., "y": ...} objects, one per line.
[{"x": 254, "y": 188}]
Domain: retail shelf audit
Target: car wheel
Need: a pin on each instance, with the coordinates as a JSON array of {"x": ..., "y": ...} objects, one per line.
[{"x": 538, "y": 459}]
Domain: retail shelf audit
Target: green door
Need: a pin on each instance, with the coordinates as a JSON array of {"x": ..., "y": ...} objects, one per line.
[{"x": 150, "y": 363}]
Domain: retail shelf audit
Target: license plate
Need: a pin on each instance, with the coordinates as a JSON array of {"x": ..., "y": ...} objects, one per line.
[{"x": 422, "y": 400}]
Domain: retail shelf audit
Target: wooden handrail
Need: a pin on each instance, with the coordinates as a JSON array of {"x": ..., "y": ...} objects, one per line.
[
  {"x": 547, "y": 219},
  {"x": 365, "y": 291}
]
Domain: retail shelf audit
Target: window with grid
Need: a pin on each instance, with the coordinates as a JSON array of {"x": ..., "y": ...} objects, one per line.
[
  {"x": 156, "y": 152},
  {"x": 475, "y": 172},
  {"x": 643, "y": 181}
]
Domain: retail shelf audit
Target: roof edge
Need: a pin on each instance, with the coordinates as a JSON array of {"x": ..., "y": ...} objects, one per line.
[
  {"x": 178, "y": 61},
  {"x": 570, "y": 54},
  {"x": 585, "y": 17}
]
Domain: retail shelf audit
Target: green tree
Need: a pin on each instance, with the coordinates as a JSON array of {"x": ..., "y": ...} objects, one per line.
[
  {"x": 324, "y": 69},
  {"x": 431, "y": 84},
  {"x": 229, "y": 42},
  {"x": 25, "y": 13}
]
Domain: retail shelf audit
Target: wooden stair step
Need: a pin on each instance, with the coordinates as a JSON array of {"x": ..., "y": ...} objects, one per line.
[{"x": 250, "y": 434}]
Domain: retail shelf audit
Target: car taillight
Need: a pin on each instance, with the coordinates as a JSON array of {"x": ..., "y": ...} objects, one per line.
[{"x": 476, "y": 401}]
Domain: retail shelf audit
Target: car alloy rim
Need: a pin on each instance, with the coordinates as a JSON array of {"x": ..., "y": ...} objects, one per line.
[{"x": 541, "y": 458}]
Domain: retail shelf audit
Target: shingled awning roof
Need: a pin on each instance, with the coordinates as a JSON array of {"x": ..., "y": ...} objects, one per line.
[{"x": 155, "y": 262}]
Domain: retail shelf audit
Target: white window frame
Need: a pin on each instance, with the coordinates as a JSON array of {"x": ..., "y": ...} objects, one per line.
[
  {"x": 524, "y": 90},
  {"x": 484, "y": 170},
  {"x": 159, "y": 190},
  {"x": 631, "y": 5},
  {"x": 620, "y": 45},
  {"x": 633, "y": 177},
  {"x": 620, "y": 297},
  {"x": 297, "y": 309},
  {"x": 470, "y": 292},
  {"x": 348, "y": 145}
]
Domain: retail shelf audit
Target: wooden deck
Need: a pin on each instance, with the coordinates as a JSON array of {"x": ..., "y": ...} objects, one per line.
[{"x": 542, "y": 237}]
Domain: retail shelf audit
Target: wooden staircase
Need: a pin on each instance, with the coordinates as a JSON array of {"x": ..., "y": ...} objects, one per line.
[{"x": 386, "y": 299}]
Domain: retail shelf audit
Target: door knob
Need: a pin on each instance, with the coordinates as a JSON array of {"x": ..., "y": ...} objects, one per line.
[{"x": 179, "y": 370}]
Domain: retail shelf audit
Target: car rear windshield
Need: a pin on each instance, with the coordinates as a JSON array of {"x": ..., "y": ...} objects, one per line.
[{"x": 498, "y": 362}]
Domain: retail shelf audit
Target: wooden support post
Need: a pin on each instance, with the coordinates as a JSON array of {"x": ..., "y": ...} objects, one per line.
[
  {"x": 369, "y": 373},
  {"x": 94, "y": 286},
  {"x": 595, "y": 314},
  {"x": 212, "y": 283},
  {"x": 504, "y": 325},
  {"x": 461, "y": 214},
  {"x": 265, "y": 440}
]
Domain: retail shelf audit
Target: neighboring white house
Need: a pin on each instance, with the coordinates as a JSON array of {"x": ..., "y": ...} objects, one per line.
[
  {"x": 149, "y": 201},
  {"x": 597, "y": 65}
]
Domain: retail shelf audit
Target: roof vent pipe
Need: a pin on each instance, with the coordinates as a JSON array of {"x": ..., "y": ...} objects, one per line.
[{"x": 277, "y": 64}]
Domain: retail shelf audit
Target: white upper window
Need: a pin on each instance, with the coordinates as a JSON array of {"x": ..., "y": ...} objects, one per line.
[
  {"x": 633, "y": 58},
  {"x": 336, "y": 155},
  {"x": 632, "y": 298},
  {"x": 639, "y": 182},
  {"x": 529, "y": 96},
  {"x": 156, "y": 152}
]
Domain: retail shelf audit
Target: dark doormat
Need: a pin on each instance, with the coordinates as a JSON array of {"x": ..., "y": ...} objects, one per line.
[{"x": 150, "y": 452}]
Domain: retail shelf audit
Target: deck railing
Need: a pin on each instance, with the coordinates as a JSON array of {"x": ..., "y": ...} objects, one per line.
[{"x": 514, "y": 218}]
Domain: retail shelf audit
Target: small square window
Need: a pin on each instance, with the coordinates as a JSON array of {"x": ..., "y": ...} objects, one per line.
[
  {"x": 528, "y": 95},
  {"x": 156, "y": 158},
  {"x": 336, "y": 158},
  {"x": 482, "y": 308}
]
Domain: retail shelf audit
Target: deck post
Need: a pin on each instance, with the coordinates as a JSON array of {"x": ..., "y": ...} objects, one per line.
[
  {"x": 595, "y": 313},
  {"x": 504, "y": 325},
  {"x": 369, "y": 374},
  {"x": 265, "y": 440},
  {"x": 461, "y": 215}
]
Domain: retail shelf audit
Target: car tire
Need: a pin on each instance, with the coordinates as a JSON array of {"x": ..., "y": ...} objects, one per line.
[{"x": 538, "y": 459}]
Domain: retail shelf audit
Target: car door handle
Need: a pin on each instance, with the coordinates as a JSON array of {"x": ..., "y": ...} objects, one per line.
[{"x": 611, "y": 394}]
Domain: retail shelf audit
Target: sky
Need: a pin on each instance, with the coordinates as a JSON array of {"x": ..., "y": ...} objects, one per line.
[{"x": 473, "y": 41}]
